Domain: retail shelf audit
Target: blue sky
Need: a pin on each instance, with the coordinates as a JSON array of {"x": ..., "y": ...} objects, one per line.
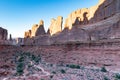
[{"x": 18, "y": 16}]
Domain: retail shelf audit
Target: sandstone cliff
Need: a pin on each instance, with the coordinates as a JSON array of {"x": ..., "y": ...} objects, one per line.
[
  {"x": 103, "y": 10},
  {"x": 100, "y": 22}
]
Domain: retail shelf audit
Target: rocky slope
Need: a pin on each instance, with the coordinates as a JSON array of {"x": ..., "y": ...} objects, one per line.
[{"x": 59, "y": 63}]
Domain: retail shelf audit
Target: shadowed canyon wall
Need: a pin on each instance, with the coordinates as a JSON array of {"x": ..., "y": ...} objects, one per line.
[
  {"x": 100, "y": 22},
  {"x": 3, "y": 36}
]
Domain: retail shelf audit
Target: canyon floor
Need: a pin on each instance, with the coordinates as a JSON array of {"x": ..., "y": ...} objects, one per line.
[{"x": 59, "y": 62}]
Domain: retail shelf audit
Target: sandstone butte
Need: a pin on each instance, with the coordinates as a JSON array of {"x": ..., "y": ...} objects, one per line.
[
  {"x": 99, "y": 22},
  {"x": 3, "y": 36}
]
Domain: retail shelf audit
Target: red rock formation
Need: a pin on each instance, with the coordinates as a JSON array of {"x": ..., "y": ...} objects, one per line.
[
  {"x": 103, "y": 10},
  {"x": 100, "y": 22},
  {"x": 56, "y": 25},
  {"x": 40, "y": 29},
  {"x": 27, "y": 34},
  {"x": 3, "y": 34},
  {"x": 36, "y": 30}
]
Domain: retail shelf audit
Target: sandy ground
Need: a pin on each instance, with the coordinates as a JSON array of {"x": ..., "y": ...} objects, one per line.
[{"x": 91, "y": 59}]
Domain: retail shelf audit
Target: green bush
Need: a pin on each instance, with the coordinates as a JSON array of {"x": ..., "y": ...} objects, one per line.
[
  {"x": 20, "y": 68},
  {"x": 103, "y": 69},
  {"x": 62, "y": 71},
  {"x": 54, "y": 72},
  {"x": 23, "y": 60},
  {"x": 73, "y": 66},
  {"x": 117, "y": 77},
  {"x": 105, "y": 78},
  {"x": 51, "y": 76}
]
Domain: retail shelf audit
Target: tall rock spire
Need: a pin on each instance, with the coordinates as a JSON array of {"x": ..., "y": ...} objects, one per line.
[{"x": 56, "y": 25}]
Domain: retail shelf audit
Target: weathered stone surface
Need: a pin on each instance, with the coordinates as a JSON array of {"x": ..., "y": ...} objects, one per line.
[
  {"x": 29, "y": 41},
  {"x": 56, "y": 25},
  {"x": 118, "y": 6},
  {"x": 100, "y": 22},
  {"x": 34, "y": 29},
  {"x": 106, "y": 29},
  {"x": 35, "y": 36},
  {"x": 40, "y": 30},
  {"x": 42, "y": 40},
  {"x": 74, "y": 35},
  {"x": 103, "y": 10},
  {"x": 27, "y": 34},
  {"x": 37, "y": 29},
  {"x": 3, "y": 34},
  {"x": 19, "y": 41}
]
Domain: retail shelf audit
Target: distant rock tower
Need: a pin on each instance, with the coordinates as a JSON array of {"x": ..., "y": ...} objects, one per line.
[
  {"x": 56, "y": 26},
  {"x": 37, "y": 29},
  {"x": 10, "y": 38},
  {"x": 40, "y": 30},
  {"x": 3, "y": 34}
]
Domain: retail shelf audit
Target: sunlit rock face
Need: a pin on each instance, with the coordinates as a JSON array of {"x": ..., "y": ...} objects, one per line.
[
  {"x": 77, "y": 17},
  {"x": 37, "y": 32},
  {"x": 56, "y": 25},
  {"x": 103, "y": 10},
  {"x": 37, "y": 29},
  {"x": 100, "y": 22},
  {"x": 34, "y": 29},
  {"x": 40, "y": 30},
  {"x": 105, "y": 24},
  {"x": 27, "y": 34},
  {"x": 3, "y": 34}
]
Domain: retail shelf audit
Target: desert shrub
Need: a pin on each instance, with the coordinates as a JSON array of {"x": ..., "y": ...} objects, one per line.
[
  {"x": 20, "y": 68},
  {"x": 117, "y": 76},
  {"x": 106, "y": 78},
  {"x": 103, "y": 69},
  {"x": 54, "y": 72},
  {"x": 62, "y": 71},
  {"x": 73, "y": 66},
  {"x": 51, "y": 76},
  {"x": 23, "y": 60}
]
